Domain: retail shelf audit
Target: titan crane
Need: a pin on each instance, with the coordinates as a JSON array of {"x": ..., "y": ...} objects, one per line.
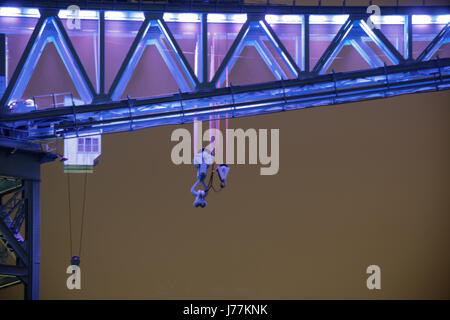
[{"x": 404, "y": 50}]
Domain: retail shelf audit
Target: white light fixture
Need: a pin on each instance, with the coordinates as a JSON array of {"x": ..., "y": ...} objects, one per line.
[
  {"x": 124, "y": 15},
  {"x": 421, "y": 19},
  {"x": 271, "y": 18},
  {"x": 181, "y": 17},
  {"x": 443, "y": 19},
  {"x": 227, "y": 18},
  {"x": 285, "y": 18},
  {"x": 339, "y": 19},
  {"x": 19, "y": 12},
  {"x": 291, "y": 18},
  {"x": 328, "y": 19},
  {"x": 387, "y": 19},
  {"x": 317, "y": 19},
  {"x": 239, "y": 18}
]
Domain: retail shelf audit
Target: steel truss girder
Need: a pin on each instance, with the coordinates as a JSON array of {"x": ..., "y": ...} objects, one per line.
[
  {"x": 226, "y": 7},
  {"x": 48, "y": 29},
  {"x": 255, "y": 26},
  {"x": 150, "y": 33}
]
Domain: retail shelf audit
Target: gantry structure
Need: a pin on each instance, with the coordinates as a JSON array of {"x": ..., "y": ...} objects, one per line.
[{"x": 390, "y": 67}]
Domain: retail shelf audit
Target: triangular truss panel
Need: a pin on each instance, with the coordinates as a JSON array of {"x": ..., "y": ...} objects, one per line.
[
  {"x": 188, "y": 36},
  {"x": 17, "y": 31},
  {"x": 48, "y": 29},
  {"x": 151, "y": 77},
  {"x": 290, "y": 35},
  {"x": 252, "y": 65},
  {"x": 322, "y": 31},
  {"x": 357, "y": 33},
  {"x": 154, "y": 31},
  {"x": 442, "y": 39},
  {"x": 85, "y": 40},
  {"x": 50, "y": 67},
  {"x": 119, "y": 36},
  {"x": 221, "y": 34},
  {"x": 259, "y": 34},
  {"x": 427, "y": 35}
]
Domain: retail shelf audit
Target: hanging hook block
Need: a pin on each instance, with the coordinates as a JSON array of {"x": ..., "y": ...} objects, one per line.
[{"x": 75, "y": 261}]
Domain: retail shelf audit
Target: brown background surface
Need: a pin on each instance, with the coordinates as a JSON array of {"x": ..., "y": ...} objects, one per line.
[{"x": 359, "y": 184}]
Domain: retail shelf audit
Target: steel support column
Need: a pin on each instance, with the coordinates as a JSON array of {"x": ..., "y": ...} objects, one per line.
[
  {"x": 203, "y": 75},
  {"x": 33, "y": 242},
  {"x": 102, "y": 52},
  {"x": 408, "y": 38},
  {"x": 20, "y": 162},
  {"x": 305, "y": 46},
  {"x": 3, "y": 64}
]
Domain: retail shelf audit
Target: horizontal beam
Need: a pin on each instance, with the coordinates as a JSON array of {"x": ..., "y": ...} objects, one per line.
[
  {"x": 215, "y": 93},
  {"x": 10, "y": 270},
  {"x": 9, "y": 281},
  {"x": 240, "y": 101},
  {"x": 227, "y": 7}
]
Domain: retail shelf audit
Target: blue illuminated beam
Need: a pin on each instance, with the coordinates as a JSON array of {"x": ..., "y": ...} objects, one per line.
[
  {"x": 280, "y": 48},
  {"x": 368, "y": 55},
  {"x": 242, "y": 101},
  {"x": 442, "y": 37}
]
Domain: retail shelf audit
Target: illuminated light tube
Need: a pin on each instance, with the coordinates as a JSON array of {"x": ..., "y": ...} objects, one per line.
[
  {"x": 328, "y": 19},
  {"x": 19, "y": 12},
  {"x": 82, "y": 14},
  {"x": 435, "y": 19},
  {"x": 181, "y": 17},
  {"x": 339, "y": 19},
  {"x": 242, "y": 101},
  {"x": 271, "y": 18},
  {"x": 124, "y": 15},
  {"x": 387, "y": 19},
  {"x": 227, "y": 18},
  {"x": 284, "y": 19},
  {"x": 443, "y": 19}
]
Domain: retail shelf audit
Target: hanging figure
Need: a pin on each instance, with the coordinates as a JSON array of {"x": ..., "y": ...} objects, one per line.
[{"x": 202, "y": 162}]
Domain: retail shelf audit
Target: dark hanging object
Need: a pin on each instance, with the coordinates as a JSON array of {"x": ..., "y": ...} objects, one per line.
[{"x": 75, "y": 261}]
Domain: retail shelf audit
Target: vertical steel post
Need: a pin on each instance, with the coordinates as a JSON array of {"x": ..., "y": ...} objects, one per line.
[
  {"x": 409, "y": 38},
  {"x": 3, "y": 79},
  {"x": 102, "y": 52},
  {"x": 33, "y": 238},
  {"x": 305, "y": 46},
  {"x": 204, "y": 49}
]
